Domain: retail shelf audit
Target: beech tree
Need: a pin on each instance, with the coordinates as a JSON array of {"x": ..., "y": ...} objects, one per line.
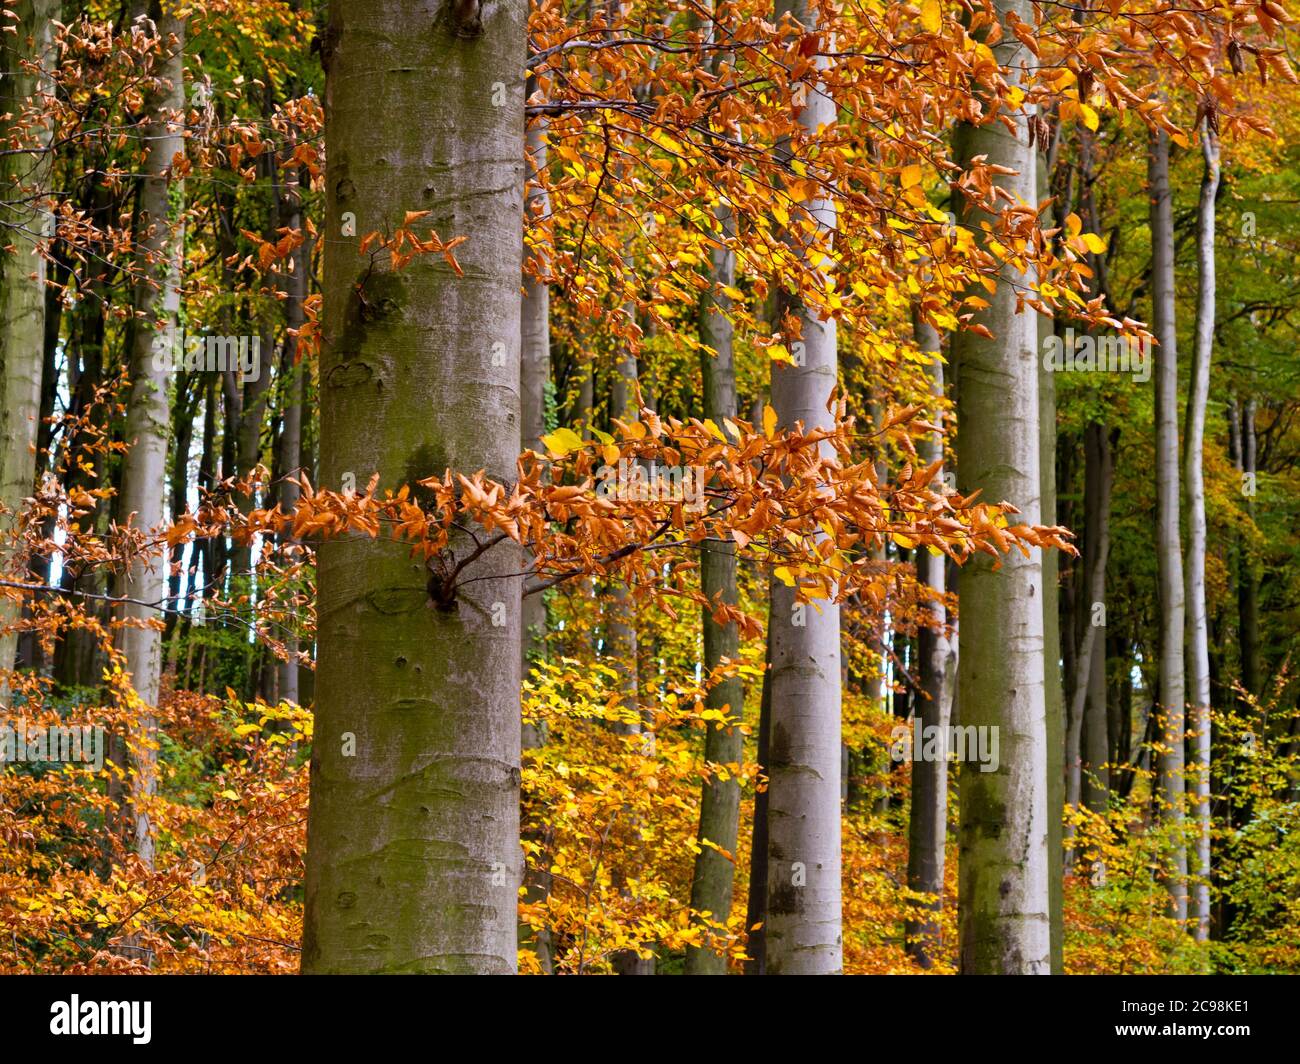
[
  {"x": 413, "y": 857},
  {"x": 803, "y": 934},
  {"x": 1169, "y": 555},
  {"x": 1004, "y": 861},
  {"x": 23, "y": 225}
]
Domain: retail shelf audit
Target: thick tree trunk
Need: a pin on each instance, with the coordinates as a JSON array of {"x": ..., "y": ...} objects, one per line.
[
  {"x": 714, "y": 875},
  {"x": 927, "y": 824},
  {"x": 413, "y": 857},
  {"x": 1198, "y": 644},
  {"x": 24, "y": 223},
  {"x": 803, "y": 934},
  {"x": 142, "y": 497},
  {"x": 1169, "y": 556},
  {"x": 1004, "y": 866}
]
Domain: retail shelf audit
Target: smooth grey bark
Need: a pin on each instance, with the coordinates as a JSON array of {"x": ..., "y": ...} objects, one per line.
[
  {"x": 1169, "y": 556},
  {"x": 142, "y": 495},
  {"x": 413, "y": 855},
  {"x": 803, "y": 934},
  {"x": 1003, "y": 867},
  {"x": 927, "y": 823},
  {"x": 1198, "y": 641},
  {"x": 1053, "y": 684},
  {"x": 24, "y": 223},
  {"x": 714, "y": 873},
  {"x": 534, "y": 376}
]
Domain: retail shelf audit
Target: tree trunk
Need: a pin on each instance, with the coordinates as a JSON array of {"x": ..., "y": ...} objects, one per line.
[
  {"x": 1198, "y": 645},
  {"x": 756, "y": 909},
  {"x": 714, "y": 874},
  {"x": 413, "y": 856},
  {"x": 1247, "y": 581},
  {"x": 534, "y": 376},
  {"x": 803, "y": 934},
  {"x": 144, "y": 469},
  {"x": 1004, "y": 866},
  {"x": 1053, "y": 689},
  {"x": 294, "y": 381},
  {"x": 24, "y": 221},
  {"x": 1169, "y": 555},
  {"x": 927, "y": 824}
]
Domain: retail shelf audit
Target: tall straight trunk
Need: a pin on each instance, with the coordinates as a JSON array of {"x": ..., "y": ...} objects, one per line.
[
  {"x": 413, "y": 856},
  {"x": 294, "y": 380},
  {"x": 252, "y": 407},
  {"x": 620, "y": 623},
  {"x": 1198, "y": 642},
  {"x": 1003, "y": 868},
  {"x": 714, "y": 874},
  {"x": 803, "y": 934},
  {"x": 1087, "y": 713},
  {"x": 1096, "y": 725},
  {"x": 1053, "y": 683},
  {"x": 1169, "y": 555},
  {"x": 142, "y": 497},
  {"x": 24, "y": 221},
  {"x": 756, "y": 909},
  {"x": 1247, "y": 581},
  {"x": 620, "y": 618},
  {"x": 927, "y": 825},
  {"x": 534, "y": 376}
]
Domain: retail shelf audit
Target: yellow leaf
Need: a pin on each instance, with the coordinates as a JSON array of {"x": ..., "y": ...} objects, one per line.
[
  {"x": 562, "y": 441},
  {"x": 783, "y": 574},
  {"x": 931, "y": 16},
  {"x": 910, "y": 175},
  {"x": 1094, "y": 243},
  {"x": 769, "y": 421},
  {"x": 1072, "y": 225},
  {"x": 1089, "y": 116},
  {"x": 714, "y": 430},
  {"x": 230, "y": 794}
]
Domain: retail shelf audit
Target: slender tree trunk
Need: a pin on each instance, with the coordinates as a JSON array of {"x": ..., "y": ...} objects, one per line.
[
  {"x": 24, "y": 223},
  {"x": 1247, "y": 581},
  {"x": 714, "y": 875},
  {"x": 535, "y": 375},
  {"x": 756, "y": 909},
  {"x": 1004, "y": 866},
  {"x": 1053, "y": 689},
  {"x": 803, "y": 934},
  {"x": 142, "y": 497},
  {"x": 1089, "y": 701},
  {"x": 534, "y": 378},
  {"x": 927, "y": 824},
  {"x": 413, "y": 856},
  {"x": 294, "y": 382},
  {"x": 1169, "y": 555},
  {"x": 1198, "y": 644}
]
